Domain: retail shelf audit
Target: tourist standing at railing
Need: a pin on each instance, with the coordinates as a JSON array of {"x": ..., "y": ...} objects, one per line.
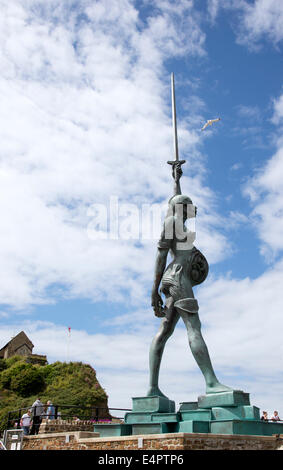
[
  {"x": 264, "y": 416},
  {"x": 26, "y": 422},
  {"x": 37, "y": 415},
  {"x": 50, "y": 412},
  {"x": 275, "y": 416}
]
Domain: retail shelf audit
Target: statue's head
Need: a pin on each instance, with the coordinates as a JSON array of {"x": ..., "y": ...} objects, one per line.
[
  {"x": 181, "y": 204},
  {"x": 179, "y": 199}
]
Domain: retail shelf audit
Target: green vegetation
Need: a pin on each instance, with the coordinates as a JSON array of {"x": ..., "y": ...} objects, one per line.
[{"x": 72, "y": 383}]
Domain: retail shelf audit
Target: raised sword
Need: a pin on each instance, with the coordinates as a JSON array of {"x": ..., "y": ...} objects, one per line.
[{"x": 176, "y": 164}]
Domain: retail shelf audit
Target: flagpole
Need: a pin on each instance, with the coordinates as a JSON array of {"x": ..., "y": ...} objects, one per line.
[{"x": 68, "y": 343}]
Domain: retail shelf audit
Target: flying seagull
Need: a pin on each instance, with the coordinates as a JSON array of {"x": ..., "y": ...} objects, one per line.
[{"x": 209, "y": 123}]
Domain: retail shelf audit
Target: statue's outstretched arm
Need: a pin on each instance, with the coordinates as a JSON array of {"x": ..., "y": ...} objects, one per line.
[
  {"x": 160, "y": 265},
  {"x": 177, "y": 188}
]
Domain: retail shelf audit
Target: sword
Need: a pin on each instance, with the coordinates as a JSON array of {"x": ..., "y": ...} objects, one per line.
[{"x": 176, "y": 164}]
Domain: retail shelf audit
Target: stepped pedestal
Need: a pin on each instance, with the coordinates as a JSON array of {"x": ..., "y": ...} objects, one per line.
[
  {"x": 225, "y": 413},
  {"x": 217, "y": 413},
  {"x": 150, "y": 415}
]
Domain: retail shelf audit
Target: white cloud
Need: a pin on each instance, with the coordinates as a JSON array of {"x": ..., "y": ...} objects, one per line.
[
  {"x": 278, "y": 110},
  {"x": 84, "y": 116},
  {"x": 266, "y": 195},
  {"x": 236, "y": 166},
  {"x": 214, "y": 8},
  {"x": 262, "y": 19},
  {"x": 250, "y": 112},
  {"x": 253, "y": 22},
  {"x": 241, "y": 325}
]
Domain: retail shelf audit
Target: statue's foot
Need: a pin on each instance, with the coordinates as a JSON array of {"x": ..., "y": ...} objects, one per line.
[
  {"x": 155, "y": 391},
  {"x": 217, "y": 387}
]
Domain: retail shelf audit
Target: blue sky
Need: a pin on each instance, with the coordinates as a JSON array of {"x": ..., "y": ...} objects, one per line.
[{"x": 85, "y": 117}]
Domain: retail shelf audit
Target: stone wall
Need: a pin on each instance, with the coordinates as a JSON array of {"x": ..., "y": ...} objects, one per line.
[
  {"x": 177, "y": 441},
  {"x": 60, "y": 426},
  {"x": 23, "y": 350},
  {"x": 37, "y": 359}
]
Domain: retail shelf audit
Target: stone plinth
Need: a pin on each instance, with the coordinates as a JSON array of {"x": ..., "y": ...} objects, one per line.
[
  {"x": 153, "y": 404},
  {"x": 171, "y": 441},
  {"x": 249, "y": 427},
  {"x": 188, "y": 405},
  {"x": 106, "y": 430},
  {"x": 232, "y": 398},
  {"x": 238, "y": 412},
  {"x": 131, "y": 418}
]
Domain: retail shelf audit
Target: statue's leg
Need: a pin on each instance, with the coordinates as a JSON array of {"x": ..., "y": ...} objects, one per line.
[
  {"x": 200, "y": 351},
  {"x": 157, "y": 346}
]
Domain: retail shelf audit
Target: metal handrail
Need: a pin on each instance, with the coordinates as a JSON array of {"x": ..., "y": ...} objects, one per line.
[
  {"x": 94, "y": 413},
  {"x": 2, "y": 447},
  {"x": 273, "y": 420}
]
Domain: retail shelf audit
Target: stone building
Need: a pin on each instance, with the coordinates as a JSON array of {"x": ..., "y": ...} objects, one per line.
[{"x": 21, "y": 345}]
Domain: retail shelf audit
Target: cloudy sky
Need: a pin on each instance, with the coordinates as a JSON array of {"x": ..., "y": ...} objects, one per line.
[{"x": 85, "y": 125}]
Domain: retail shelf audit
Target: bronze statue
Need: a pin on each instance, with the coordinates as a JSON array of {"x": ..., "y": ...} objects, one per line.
[{"x": 187, "y": 269}]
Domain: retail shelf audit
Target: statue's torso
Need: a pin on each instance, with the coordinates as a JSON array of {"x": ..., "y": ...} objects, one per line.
[{"x": 187, "y": 268}]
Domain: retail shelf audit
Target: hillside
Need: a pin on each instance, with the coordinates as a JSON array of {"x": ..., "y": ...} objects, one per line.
[{"x": 72, "y": 383}]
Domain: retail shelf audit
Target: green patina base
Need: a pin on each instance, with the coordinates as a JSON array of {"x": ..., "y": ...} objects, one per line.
[
  {"x": 217, "y": 413},
  {"x": 153, "y": 404},
  {"x": 110, "y": 430},
  {"x": 232, "y": 398}
]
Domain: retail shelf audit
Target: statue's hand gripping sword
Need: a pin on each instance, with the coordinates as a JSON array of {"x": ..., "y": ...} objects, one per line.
[{"x": 176, "y": 164}]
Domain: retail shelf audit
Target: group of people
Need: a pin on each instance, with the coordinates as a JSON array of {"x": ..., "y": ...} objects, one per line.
[
  {"x": 275, "y": 416},
  {"x": 31, "y": 420}
]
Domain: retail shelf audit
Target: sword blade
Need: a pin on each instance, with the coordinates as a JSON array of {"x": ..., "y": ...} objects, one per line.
[{"x": 174, "y": 118}]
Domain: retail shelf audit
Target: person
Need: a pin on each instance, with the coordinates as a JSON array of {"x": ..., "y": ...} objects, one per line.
[
  {"x": 26, "y": 422},
  {"x": 264, "y": 416},
  {"x": 50, "y": 412},
  {"x": 37, "y": 414},
  {"x": 188, "y": 268},
  {"x": 275, "y": 416}
]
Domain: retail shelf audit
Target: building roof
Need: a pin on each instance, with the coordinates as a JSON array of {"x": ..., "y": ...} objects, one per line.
[{"x": 18, "y": 340}]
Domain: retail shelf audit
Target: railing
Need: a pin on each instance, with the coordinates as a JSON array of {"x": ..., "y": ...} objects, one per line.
[
  {"x": 270, "y": 420},
  {"x": 90, "y": 413},
  {"x": 2, "y": 447}
]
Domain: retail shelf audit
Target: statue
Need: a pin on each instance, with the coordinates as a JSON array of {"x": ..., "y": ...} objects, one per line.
[
  {"x": 222, "y": 410},
  {"x": 187, "y": 269}
]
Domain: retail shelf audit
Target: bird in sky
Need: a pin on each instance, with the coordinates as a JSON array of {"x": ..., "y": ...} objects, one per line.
[{"x": 209, "y": 123}]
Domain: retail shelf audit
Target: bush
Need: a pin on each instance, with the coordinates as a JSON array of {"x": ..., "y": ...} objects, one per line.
[
  {"x": 71, "y": 383},
  {"x": 23, "y": 379},
  {"x": 12, "y": 360},
  {"x": 9, "y": 372},
  {"x": 28, "y": 382}
]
